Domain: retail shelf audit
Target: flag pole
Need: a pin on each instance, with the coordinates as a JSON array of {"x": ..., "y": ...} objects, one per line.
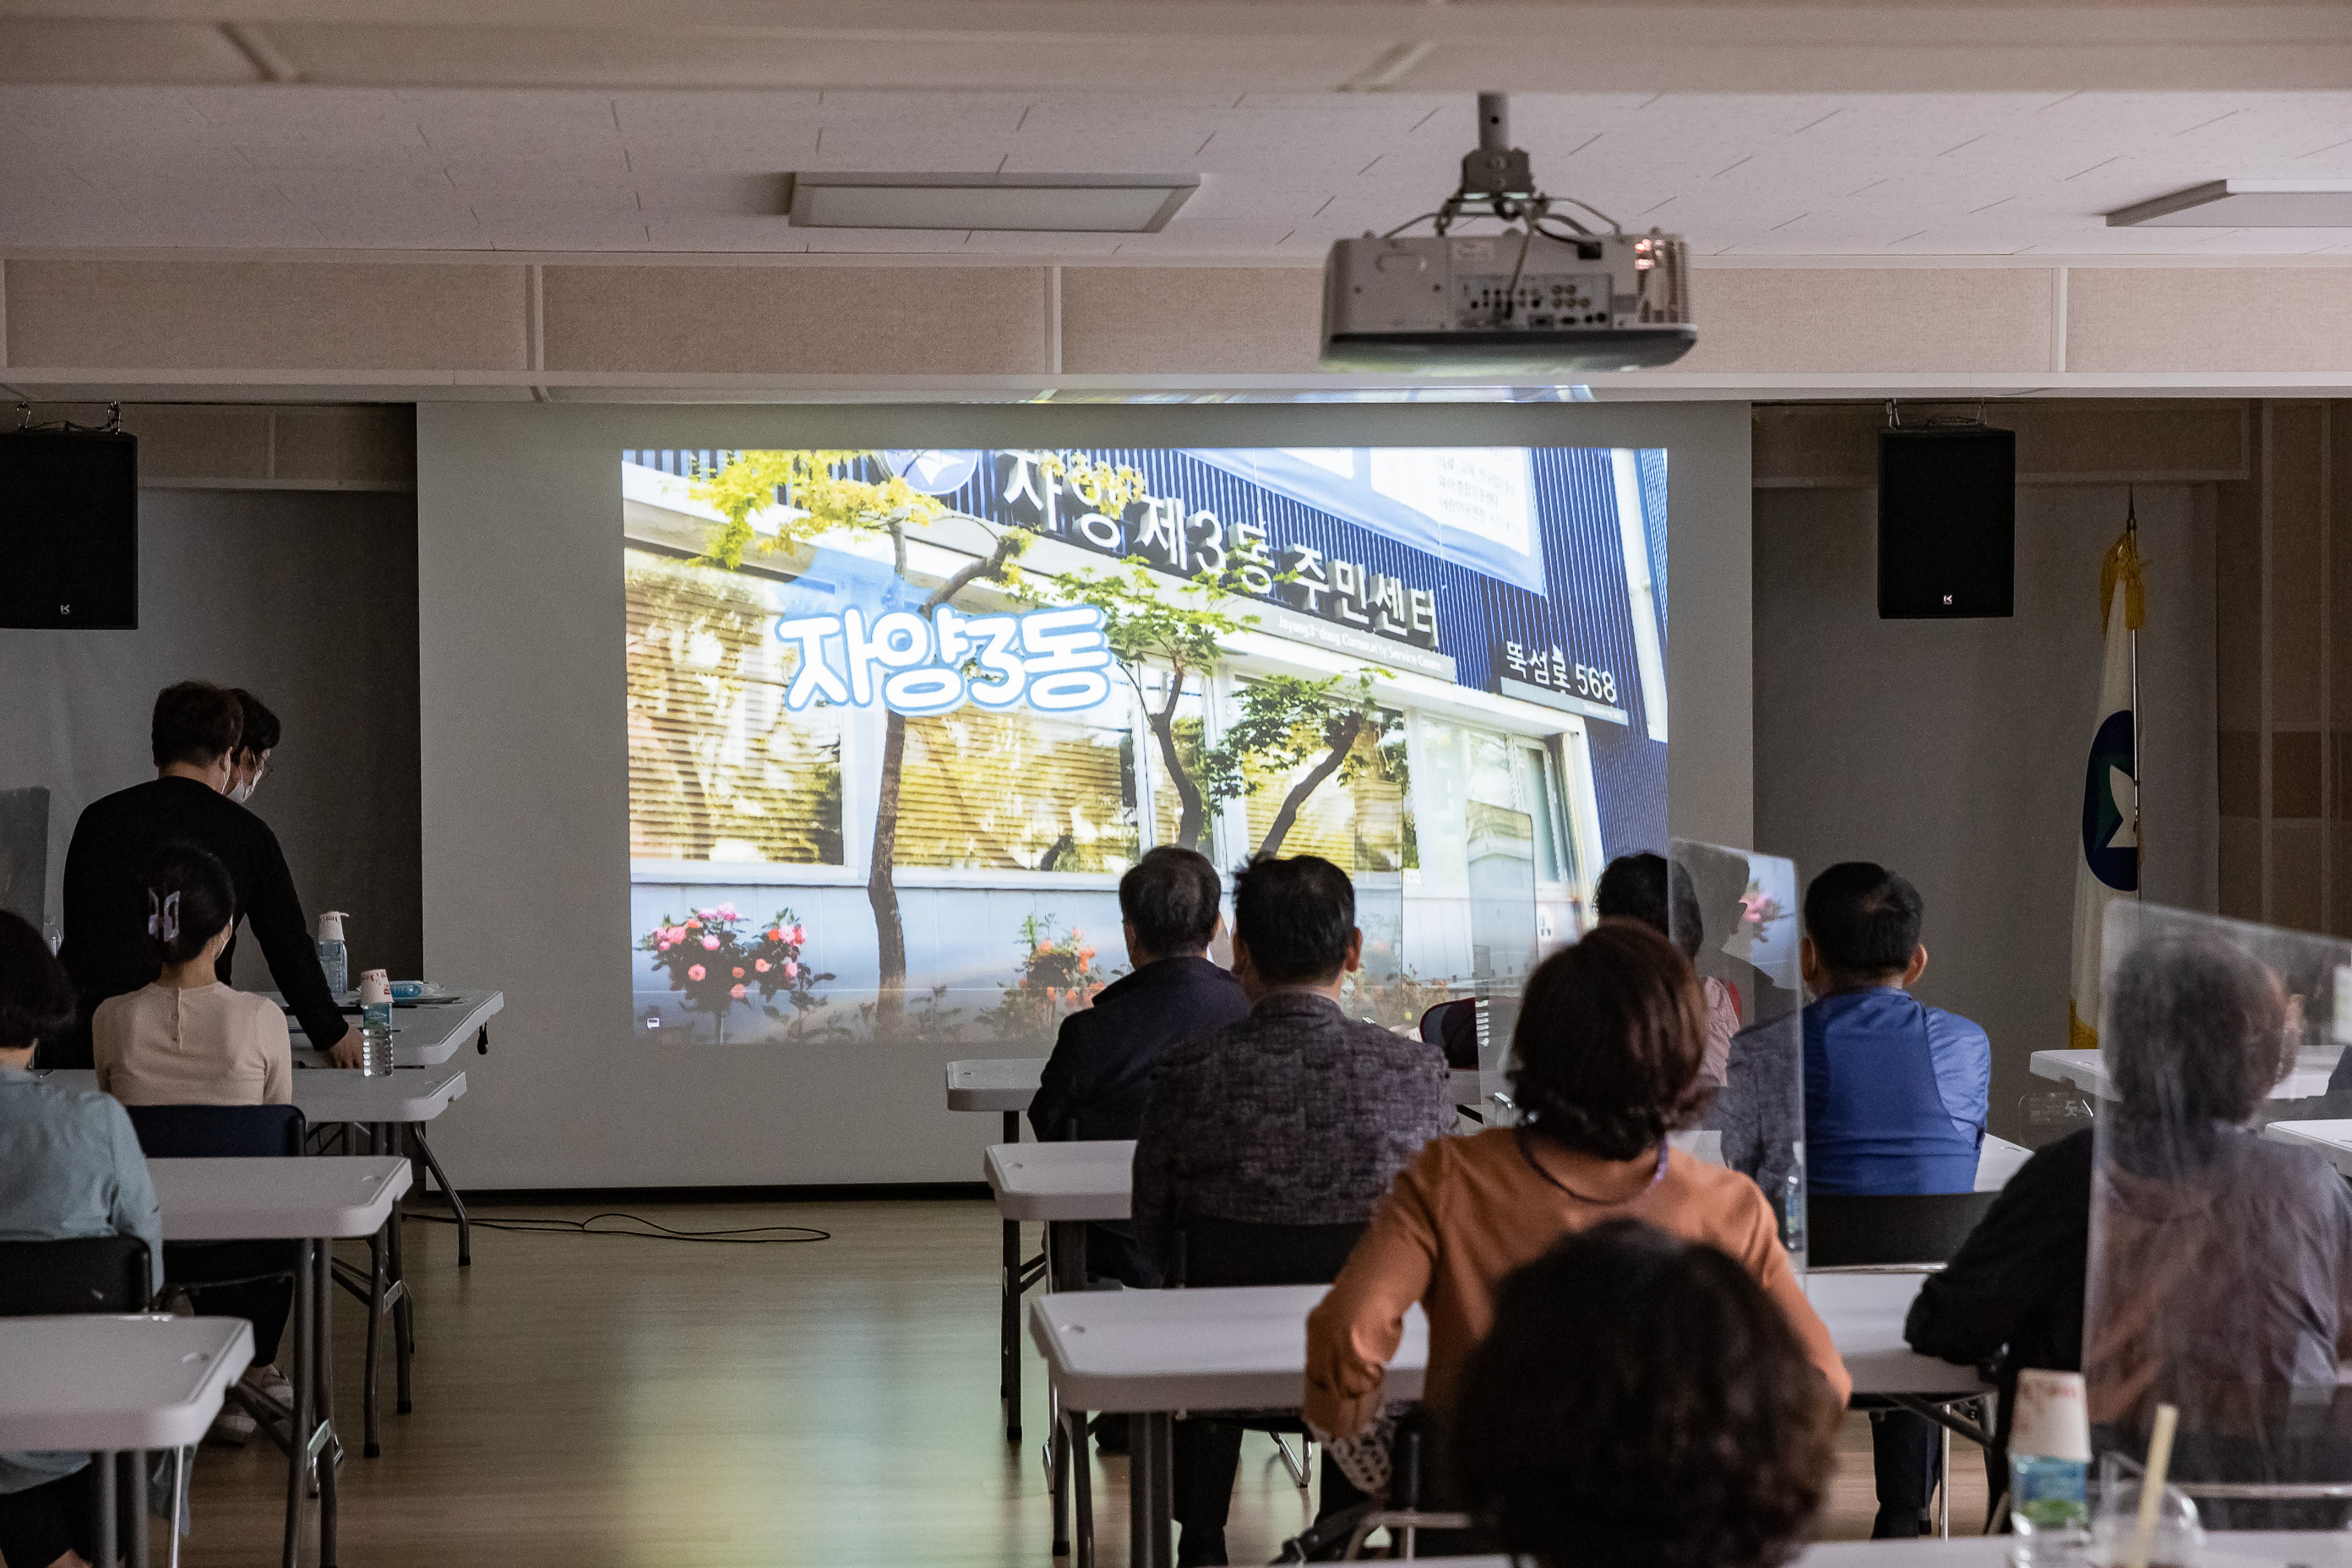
[{"x": 2139, "y": 844}]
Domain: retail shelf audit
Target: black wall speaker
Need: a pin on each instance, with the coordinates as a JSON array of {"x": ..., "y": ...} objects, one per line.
[
  {"x": 1946, "y": 522},
  {"x": 69, "y": 530}
]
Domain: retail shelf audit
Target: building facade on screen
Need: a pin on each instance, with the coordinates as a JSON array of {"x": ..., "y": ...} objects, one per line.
[{"x": 1443, "y": 669}]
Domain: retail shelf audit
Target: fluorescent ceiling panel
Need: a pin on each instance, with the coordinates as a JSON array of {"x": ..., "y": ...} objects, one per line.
[
  {"x": 1043, "y": 204},
  {"x": 2245, "y": 203}
]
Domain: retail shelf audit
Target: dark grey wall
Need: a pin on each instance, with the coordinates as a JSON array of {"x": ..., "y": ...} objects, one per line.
[
  {"x": 308, "y": 600},
  {"x": 1954, "y": 750}
]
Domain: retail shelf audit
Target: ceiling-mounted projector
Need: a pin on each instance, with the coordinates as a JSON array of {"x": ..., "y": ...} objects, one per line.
[{"x": 1547, "y": 295}]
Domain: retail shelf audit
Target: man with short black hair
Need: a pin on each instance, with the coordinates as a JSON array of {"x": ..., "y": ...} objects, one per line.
[
  {"x": 194, "y": 736},
  {"x": 1297, "y": 1115},
  {"x": 1094, "y": 1085},
  {"x": 1896, "y": 1096}
]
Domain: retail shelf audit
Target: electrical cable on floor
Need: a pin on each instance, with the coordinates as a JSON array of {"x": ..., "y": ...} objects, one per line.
[{"x": 529, "y": 1224}]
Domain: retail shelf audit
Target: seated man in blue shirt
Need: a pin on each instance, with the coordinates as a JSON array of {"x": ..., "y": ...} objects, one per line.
[{"x": 1896, "y": 1094}]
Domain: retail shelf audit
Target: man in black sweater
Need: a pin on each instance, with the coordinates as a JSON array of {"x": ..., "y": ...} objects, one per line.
[
  {"x": 1100, "y": 1073},
  {"x": 195, "y": 737}
]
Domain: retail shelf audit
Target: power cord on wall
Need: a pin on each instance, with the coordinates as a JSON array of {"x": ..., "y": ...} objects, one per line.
[{"x": 529, "y": 1224}]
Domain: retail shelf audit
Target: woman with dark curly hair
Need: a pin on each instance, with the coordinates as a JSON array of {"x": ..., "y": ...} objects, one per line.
[
  {"x": 1641, "y": 1401},
  {"x": 1606, "y": 1064}
]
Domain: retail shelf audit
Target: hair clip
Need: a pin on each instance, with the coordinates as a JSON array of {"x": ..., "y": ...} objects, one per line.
[{"x": 163, "y": 915}]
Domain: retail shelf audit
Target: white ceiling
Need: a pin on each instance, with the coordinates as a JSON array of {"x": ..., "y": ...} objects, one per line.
[{"x": 297, "y": 168}]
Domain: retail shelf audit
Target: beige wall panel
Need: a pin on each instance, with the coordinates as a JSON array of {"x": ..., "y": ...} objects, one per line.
[
  {"x": 2081, "y": 441},
  {"x": 2298, "y": 887},
  {"x": 2297, "y": 596},
  {"x": 348, "y": 448},
  {"x": 205, "y": 315},
  {"x": 2201, "y": 319},
  {"x": 800, "y": 320},
  {"x": 1209, "y": 60},
  {"x": 59, "y": 49},
  {"x": 1180, "y": 320},
  {"x": 179, "y": 442},
  {"x": 2240, "y": 840},
  {"x": 1797, "y": 320},
  {"x": 2238, "y": 609}
]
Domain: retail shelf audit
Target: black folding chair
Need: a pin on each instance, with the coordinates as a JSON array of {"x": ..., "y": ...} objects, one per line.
[
  {"x": 1904, "y": 1233},
  {"x": 79, "y": 1275},
  {"x": 1208, "y": 1254}
]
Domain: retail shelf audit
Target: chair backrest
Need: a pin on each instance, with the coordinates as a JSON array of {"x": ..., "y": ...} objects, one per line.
[
  {"x": 1848, "y": 1232},
  {"x": 74, "y": 1274},
  {"x": 1213, "y": 1253},
  {"x": 1453, "y": 1028},
  {"x": 201, "y": 1132}
]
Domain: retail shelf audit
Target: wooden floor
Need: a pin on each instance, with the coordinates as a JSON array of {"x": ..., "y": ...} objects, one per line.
[{"x": 590, "y": 1401}]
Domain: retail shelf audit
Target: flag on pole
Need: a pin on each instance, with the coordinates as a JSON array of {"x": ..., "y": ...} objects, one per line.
[{"x": 2110, "y": 864}]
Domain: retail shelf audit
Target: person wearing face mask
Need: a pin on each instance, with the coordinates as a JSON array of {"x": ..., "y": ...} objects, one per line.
[
  {"x": 195, "y": 735},
  {"x": 254, "y": 744}
]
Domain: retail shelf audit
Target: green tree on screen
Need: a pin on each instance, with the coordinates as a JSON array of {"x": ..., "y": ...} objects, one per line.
[{"x": 804, "y": 495}]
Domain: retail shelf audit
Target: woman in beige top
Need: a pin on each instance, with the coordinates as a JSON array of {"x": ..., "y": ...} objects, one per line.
[{"x": 187, "y": 1039}]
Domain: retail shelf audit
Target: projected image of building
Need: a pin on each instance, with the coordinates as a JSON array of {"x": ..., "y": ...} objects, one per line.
[{"x": 1442, "y": 669}]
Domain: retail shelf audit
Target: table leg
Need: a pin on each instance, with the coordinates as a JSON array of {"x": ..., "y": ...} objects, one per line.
[
  {"x": 1151, "y": 1440},
  {"x": 179, "y": 1499},
  {"x": 1065, "y": 1263},
  {"x": 1008, "y": 1356},
  {"x": 404, "y": 1309},
  {"x": 325, "y": 1446},
  {"x": 1082, "y": 1500},
  {"x": 1009, "y": 1328},
  {"x": 457, "y": 1204},
  {"x": 108, "y": 1522},
  {"x": 135, "y": 1462},
  {"x": 298, "y": 1435}
]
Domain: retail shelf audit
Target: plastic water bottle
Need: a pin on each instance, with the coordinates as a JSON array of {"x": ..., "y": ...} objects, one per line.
[
  {"x": 333, "y": 956},
  {"x": 2049, "y": 1456},
  {"x": 376, "y": 1023}
]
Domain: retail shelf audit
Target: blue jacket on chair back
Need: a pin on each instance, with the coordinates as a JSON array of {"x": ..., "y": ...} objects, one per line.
[{"x": 1896, "y": 1094}]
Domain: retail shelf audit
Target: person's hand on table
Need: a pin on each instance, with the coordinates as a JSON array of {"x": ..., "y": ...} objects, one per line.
[{"x": 346, "y": 1052}]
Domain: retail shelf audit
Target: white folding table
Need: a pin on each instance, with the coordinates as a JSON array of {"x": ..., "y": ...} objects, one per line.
[
  {"x": 1005, "y": 1085},
  {"x": 408, "y": 1098},
  {"x": 2086, "y": 1071},
  {"x": 311, "y": 1202},
  {"x": 425, "y": 1033},
  {"x": 2332, "y": 1140},
  {"x": 1151, "y": 1353},
  {"x": 114, "y": 1384}
]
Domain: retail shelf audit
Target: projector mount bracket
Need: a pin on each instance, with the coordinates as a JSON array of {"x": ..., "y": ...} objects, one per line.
[
  {"x": 113, "y": 422},
  {"x": 1498, "y": 182}
]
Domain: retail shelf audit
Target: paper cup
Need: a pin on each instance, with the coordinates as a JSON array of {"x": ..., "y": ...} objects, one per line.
[{"x": 2052, "y": 1420}]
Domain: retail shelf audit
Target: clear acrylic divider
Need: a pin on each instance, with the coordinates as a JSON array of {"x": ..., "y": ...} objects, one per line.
[
  {"x": 2220, "y": 1278},
  {"x": 1501, "y": 845},
  {"x": 1734, "y": 912}
]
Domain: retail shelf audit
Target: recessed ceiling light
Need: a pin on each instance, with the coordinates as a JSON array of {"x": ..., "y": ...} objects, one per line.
[
  {"x": 1069, "y": 203},
  {"x": 2245, "y": 203}
]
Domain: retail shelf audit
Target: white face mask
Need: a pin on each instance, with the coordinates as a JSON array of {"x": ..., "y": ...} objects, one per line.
[{"x": 242, "y": 791}]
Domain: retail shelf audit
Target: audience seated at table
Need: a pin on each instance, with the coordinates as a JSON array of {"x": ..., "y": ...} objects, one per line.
[
  {"x": 1607, "y": 1052},
  {"x": 1640, "y": 1402},
  {"x": 1896, "y": 1096},
  {"x": 194, "y": 734},
  {"x": 1095, "y": 1083},
  {"x": 185, "y": 1039},
  {"x": 1298, "y": 1115},
  {"x": 1649, "y": 888},
  {"x": 2221, "y": 1279},
  {"x": 69, "y": 1166},
  {"x": 189, "y": 1039}
]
